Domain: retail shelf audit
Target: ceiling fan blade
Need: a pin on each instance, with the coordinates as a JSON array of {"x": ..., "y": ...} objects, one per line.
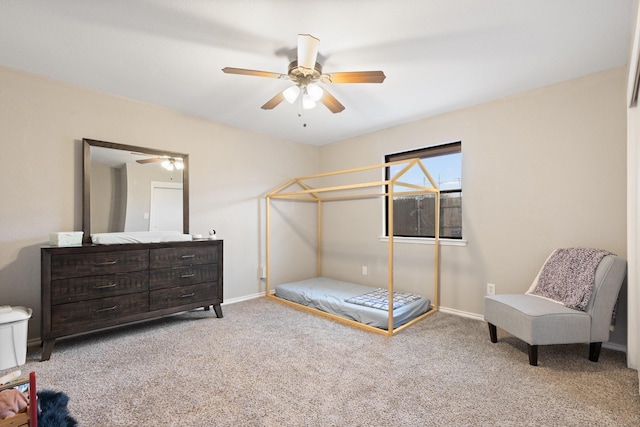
[
  {"x": 307, "y": 51},
  {"x": 331, "y": 102},
  {"x": 273, "y": 102},
  {"x": 257, "y": 73},
  {"x": 155, "y": 159},
  {"x": 354, "y": 77}
]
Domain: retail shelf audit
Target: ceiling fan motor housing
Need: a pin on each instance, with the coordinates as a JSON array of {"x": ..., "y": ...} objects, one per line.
[{"x": 302, "y": 75}]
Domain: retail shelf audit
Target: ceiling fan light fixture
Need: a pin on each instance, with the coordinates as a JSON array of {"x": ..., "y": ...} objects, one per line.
[
  {"x": 307, "y": 102},
  {"x": 179, "y": 165},
  {"x": 314, "y": 91},
  {"x": 291, "y": 94},
  {"x": 167, "y": 164}
]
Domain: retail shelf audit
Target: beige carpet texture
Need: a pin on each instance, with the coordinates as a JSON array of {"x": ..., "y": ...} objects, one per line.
[{"x": 268, "y": 364}]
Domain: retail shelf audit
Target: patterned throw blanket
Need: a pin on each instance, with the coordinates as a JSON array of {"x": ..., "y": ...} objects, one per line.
[
  {"x": 380, "y": 299},
  {"x": 569, "y": 276}
]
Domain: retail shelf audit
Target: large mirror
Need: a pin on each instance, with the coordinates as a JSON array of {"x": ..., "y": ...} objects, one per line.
[{"x": 128, "y": 188}]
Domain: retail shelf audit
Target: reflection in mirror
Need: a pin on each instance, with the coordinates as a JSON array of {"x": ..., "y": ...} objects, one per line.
[{"x": 128, "y": 188}]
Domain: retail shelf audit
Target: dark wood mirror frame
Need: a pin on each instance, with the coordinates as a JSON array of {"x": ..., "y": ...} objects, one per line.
[{"x": 86, "y": 179}]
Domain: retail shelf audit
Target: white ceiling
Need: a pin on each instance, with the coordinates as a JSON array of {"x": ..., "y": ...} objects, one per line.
[{"x": 438, "y": 55}]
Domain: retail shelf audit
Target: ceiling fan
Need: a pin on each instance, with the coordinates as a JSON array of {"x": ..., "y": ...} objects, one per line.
[
  {"x": 169, "y": 163},
  {"x": 305, "y": 73}
]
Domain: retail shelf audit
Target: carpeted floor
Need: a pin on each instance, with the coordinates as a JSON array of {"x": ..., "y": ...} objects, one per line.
[{"x": 266, "y": 364}]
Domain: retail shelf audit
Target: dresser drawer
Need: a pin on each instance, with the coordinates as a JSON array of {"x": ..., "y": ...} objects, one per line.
[
  {"x": 180, "y": 276},
  {"x": 181, "y": 256},
  {"x": 184, "y": 295},
  {"x": 85, "y": 313},
  {"x": 88, "y": 264},
  {"x": 91, "y": 287}
]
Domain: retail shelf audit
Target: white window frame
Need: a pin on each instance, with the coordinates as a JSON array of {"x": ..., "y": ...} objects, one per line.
[{"x": 446, "y": 148}]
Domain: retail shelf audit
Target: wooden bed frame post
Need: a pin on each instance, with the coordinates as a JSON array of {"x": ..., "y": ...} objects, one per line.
[
  {"x": 268, "y": 244},
  {"x": 319, "y": 247},
  {"x": 390, "y": 258},
  {"x": 436, "y": 255}
]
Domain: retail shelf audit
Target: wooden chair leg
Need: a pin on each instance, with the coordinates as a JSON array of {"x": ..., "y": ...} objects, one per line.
[
  {"x": 533, "y": 355},
  {"x": 594, "y": 351},
  {"x": 493, "y": 334}
]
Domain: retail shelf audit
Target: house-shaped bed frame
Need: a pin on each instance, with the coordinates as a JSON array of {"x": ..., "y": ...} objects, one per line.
[{"x": 394, "y": 186}]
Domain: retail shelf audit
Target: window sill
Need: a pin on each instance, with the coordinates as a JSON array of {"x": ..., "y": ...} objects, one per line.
[{"x": 425, "y": 241}]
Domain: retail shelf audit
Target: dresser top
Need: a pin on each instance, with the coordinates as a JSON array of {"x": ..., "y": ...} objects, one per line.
[{"x": 88, "y": 248}]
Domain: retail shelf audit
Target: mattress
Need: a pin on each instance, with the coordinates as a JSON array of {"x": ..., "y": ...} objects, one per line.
[{"x": 330, "y": 296}]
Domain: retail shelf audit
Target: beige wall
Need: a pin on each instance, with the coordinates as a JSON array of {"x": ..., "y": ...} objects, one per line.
[
  {"x": 42, "y": 123},
  {"x": 541, "y": 170}
]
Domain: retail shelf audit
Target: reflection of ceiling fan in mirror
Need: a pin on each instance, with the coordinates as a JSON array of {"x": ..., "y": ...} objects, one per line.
[
  {"x": 169, "y": 163},
  {"x": 306, "y": 73}
]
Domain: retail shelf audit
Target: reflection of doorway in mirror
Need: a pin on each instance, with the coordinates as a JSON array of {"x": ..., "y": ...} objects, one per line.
[{"x": 165, "y": 212}]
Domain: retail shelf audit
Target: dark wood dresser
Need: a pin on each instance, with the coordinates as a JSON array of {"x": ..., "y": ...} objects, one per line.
[{"x": 89, "y": 287}]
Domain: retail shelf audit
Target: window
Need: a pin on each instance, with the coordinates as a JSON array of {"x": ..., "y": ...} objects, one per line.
[{"x": 414, "y": 215}]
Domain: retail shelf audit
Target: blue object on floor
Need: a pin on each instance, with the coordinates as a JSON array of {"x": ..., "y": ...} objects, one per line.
[{"x": 53, "y": 410}]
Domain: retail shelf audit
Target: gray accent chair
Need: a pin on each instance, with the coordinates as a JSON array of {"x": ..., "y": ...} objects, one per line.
[{"x": 538, "y": 321}]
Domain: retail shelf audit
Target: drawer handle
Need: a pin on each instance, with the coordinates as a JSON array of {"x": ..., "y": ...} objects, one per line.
[
  {"x": 98, "y": 264},
  {"x": 188, "y": 295},
  {"x": 187, "y": 256},
  {"x": 186, "y": 276},
  {"x": 100, "y": 310},
  {"x": 108, "y": 285}
]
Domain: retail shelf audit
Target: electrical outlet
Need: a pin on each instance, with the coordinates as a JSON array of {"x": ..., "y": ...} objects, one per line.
[
  {"x": 364, "y": 270},
  {"x": 491, "y": 289}
]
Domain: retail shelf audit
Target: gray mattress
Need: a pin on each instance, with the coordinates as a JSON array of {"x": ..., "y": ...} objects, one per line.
[{"x": 329, "y": 295}]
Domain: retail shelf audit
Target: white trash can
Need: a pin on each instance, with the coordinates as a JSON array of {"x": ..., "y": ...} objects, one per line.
[{"x": 14, "y": 322}]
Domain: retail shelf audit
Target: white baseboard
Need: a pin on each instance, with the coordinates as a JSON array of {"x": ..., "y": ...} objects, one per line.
[
  {"x": 615, "y": 346},
  {"x": 609, "y": 345},
  {"x": 243, "y": 298},
  {"x": 461, "y": 313},
  {"x": 612, "y": 346},
  {"x": 34, "y": 342},
  {"x": 443, "y": 309}
]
